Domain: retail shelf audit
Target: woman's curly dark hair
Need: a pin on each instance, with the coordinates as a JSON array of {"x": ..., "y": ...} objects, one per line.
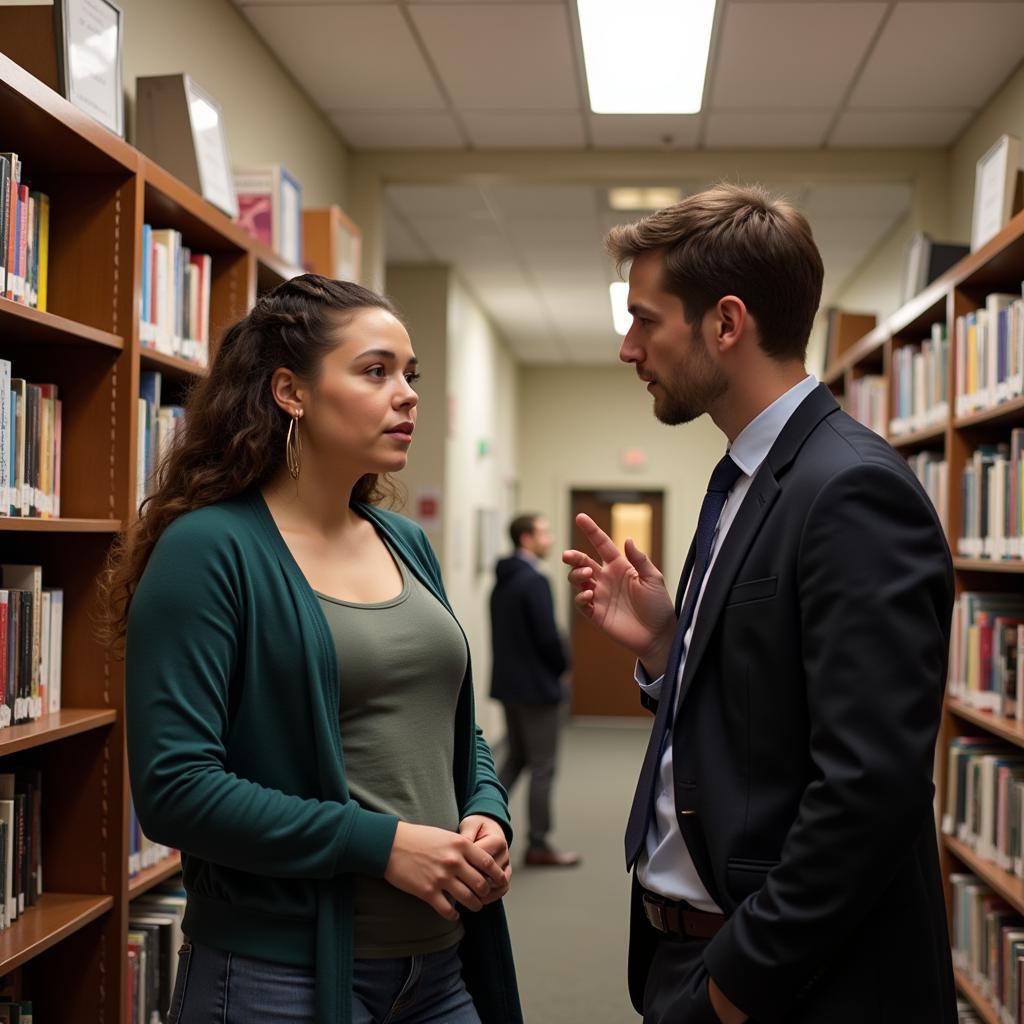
[{"x": 234, "y": 433}]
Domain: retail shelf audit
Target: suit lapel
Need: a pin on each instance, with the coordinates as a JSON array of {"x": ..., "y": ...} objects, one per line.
[
  {"x": 758, "y": 501},
  {"x": 763, "y": 492}
]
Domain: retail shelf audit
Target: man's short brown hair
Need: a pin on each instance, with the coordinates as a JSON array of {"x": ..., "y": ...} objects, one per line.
[{"x": 733, "y": 240}]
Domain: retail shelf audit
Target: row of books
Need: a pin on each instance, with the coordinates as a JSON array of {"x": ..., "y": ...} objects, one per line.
[
  {"x": 30, "y": 444},
  {"x": 175, "y": 309},
  {"x": 990, "y": 354},
  {"x": 24, "y": 236},
  {"x": 142, "y": 852},
  {"x": 154, "y": 938},
  {"x": 984, "y": 802},
  {"x": 21, "y": 843},
  {"x": 993, "y": 501},
  {"x": 159, "y": 425},
  {"x": 866, "y": 401},
  {"x": 988, "y": 945},
  {"x": 984, "y": 669},
  {"x": 932, "y": 469},
  {"x": 920, "y": 383}
]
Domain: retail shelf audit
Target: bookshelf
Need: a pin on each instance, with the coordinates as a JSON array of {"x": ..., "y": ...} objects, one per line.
[
  {"x": 998, "y": 267},
  {"x": 102, "y": 191}
]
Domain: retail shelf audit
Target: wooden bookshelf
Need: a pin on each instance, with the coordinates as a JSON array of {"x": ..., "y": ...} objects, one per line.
[
  {"x": 102, "y": 191},
  {"x": 39, "y": 328},
  {"x": 56, "y": 726},
  {"x": 150, "y": 877},
  {"x": 55, "y": 917},
  {"x": 997, "y": 267},
  {"x": 988, "y": 1013},
  {"x": 27, "y": 524},
  {"x": 172, "y": 366}
]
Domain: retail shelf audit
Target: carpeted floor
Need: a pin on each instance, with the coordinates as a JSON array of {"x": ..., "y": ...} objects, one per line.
[{"x": 569, "y": 925}]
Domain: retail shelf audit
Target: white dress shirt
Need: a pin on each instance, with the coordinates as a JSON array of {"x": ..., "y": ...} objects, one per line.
[{"x": 665, "y": 865}]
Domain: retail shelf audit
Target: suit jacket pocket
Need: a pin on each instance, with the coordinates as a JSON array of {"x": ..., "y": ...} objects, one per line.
[
  {"x": 746, "y": 877},
  {"x": 753, "y": 590}
]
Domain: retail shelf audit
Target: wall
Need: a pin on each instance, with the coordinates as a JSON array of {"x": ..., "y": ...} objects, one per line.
[
  {"x": 267, "y": 116},
  {"x": 481, "y": 464},
  {"x": 421, "y": 295},
  {"x": 1005, "y": 113},
  {"x": 595, "y": 413}
]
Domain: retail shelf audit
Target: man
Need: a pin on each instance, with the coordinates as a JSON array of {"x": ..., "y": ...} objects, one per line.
[
  {"x": 529, "y": 659},
  {"x": 782, "y": 830}
]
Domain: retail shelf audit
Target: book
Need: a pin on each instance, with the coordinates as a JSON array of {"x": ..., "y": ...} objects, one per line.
[{"x": 270, "y": 209}]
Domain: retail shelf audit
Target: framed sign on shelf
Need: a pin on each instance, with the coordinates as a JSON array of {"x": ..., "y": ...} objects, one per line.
[
  {"x": 181, "y": 126},
  {"x": 996, "y": 190},
  {"x": 89, "y": 36}
]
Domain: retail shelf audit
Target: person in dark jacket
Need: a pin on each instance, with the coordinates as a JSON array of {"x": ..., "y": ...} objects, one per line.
[{"x": 529, "y": 660}]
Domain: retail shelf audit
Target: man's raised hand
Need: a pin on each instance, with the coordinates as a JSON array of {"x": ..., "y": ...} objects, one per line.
[{"x": 624, "y": 595}]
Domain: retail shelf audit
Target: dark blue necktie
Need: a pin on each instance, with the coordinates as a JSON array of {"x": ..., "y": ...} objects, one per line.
[{"x": 725, "y": 474}]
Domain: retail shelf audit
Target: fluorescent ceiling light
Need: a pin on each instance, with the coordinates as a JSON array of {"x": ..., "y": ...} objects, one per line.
[
  {"x": 621, "y": 317},
  {"x": 643, "y": 198},
  {"x": 646, "y": 56}
]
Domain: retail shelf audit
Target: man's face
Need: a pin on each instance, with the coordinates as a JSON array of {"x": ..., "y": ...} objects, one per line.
[
  {"x": 540, "y": 541},
  {"x": 667, "y": 352}
]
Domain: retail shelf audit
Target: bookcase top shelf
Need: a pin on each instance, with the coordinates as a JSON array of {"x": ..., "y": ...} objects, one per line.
[
  {"x": 170, "y": 366},
  {"x": 919, "y": 438},
  {"x": 23, "y": 323},
  {"x": 53, "y": 134}
]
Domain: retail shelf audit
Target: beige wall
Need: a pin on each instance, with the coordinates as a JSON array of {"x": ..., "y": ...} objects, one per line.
[
  {"x": 1005, "y": 113},
  {"x": 268, "y": 117},
  {"x": 574, "y": 424},
  {"x": 421, "y": 295},
  {"x": 483, "y": 409}
]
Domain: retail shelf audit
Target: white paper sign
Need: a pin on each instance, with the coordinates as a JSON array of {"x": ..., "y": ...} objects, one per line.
[{"x": 94, "y": 70}]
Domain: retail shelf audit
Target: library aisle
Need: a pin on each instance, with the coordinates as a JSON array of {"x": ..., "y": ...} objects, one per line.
[{"x": 569, "y": 928}]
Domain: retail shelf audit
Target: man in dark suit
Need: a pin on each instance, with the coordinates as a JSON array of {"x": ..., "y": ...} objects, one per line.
[
  {"x": 782, "y": 832},
  {"x": 528, "y": 661}
]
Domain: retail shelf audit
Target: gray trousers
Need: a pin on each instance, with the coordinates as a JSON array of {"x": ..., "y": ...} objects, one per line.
[{"x": 533, "y": 745}]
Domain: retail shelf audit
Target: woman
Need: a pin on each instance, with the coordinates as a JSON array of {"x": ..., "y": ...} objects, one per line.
[{"x": 299, "y": 696}]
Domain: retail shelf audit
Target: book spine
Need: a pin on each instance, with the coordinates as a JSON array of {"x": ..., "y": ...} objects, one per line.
[
  {"x": 5, "y": 208},
  {"x": 43, "y": 267},
  {"x": 23, "y": 243}
]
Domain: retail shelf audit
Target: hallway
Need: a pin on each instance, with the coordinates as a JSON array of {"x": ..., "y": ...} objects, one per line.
[{"x": 569, "y": 926}]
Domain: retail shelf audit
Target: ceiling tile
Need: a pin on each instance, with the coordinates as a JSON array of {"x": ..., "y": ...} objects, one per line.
[
  {"x": 432, "y": 202},
  {"x": 389, "y": 130},
  {"x": 326, "y": 49},
  {"x": 513, "y": 56},
  {"x": 400, "y": 245},
  {"x": 462, "y": 241},
  {"x": 942, "y": 55},
  {"x": 641, "y": 131},
  {"x": 535, "y": 129},
  {"x": 766, "y": 128},
  {"x": 790, "y": 54},
  {"x": 898, "y": 128}
]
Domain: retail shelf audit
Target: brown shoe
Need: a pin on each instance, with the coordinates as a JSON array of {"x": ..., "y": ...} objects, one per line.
[{"x": 547, "y": 858}]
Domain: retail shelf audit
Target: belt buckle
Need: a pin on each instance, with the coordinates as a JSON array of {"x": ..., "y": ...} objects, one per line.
[{"x": 655, "y": 914}]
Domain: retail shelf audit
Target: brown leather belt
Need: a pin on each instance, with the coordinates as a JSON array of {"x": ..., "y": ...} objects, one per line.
[{"x": 674, "y": 917}]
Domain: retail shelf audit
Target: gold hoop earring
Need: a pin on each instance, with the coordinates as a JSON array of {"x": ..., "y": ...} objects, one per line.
[{"x": 293, "y": 448}]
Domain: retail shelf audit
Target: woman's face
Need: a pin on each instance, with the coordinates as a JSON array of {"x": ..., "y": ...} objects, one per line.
[{"x": 361, "y": 410}]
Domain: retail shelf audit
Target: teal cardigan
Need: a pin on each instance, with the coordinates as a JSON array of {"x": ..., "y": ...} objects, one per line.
[{"x": 235, "y": 756}]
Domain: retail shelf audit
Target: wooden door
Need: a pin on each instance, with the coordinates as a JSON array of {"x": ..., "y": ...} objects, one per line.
[{"x": 603, "y": 675}]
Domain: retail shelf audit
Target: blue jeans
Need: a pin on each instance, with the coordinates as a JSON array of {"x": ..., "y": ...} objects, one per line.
[{"x": 215, "y": 987}]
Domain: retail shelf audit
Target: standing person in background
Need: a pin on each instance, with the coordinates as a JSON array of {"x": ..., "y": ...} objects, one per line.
[
  {"x": 782, "y": 831},
  {"x": 299, "y": 695},
  {"x": 528, "y": 663}
]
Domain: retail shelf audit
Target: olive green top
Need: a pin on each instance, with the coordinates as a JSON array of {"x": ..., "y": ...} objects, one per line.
[{"x": 403, "y": 662}]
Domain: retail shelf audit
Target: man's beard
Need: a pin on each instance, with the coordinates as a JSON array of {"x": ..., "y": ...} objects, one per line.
[{"x": 692, "y": 389}]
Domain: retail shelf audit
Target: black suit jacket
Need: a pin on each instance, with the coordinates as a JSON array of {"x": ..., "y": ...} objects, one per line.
[
  {"x": 529, "y": 657},
  {"x": 803, "y": 747}
]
